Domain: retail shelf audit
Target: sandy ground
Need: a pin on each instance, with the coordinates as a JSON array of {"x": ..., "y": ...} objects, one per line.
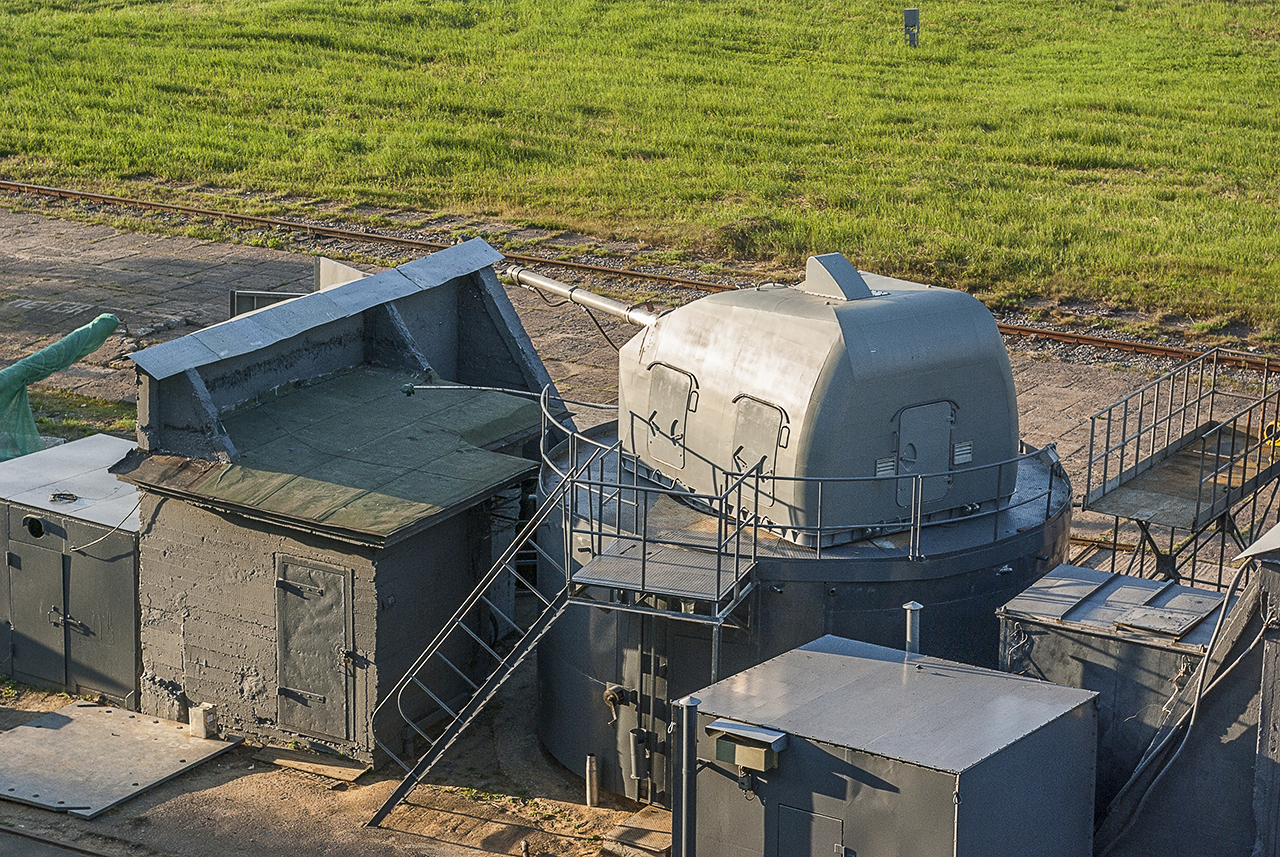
[{"x": 494, "y": 790}]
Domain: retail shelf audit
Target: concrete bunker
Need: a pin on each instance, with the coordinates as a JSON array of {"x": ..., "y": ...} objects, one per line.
[{"x": 303, "y": 522}]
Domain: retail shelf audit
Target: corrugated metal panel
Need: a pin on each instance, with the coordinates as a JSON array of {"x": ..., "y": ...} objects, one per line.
[
  {"x": 930, "y": 712},
  {"x": 265, "y": 326}
]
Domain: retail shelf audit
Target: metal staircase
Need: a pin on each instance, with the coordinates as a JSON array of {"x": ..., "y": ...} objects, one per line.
[
  {"x": 698, "y": 577},
  {"x": 460, "y": 712}
]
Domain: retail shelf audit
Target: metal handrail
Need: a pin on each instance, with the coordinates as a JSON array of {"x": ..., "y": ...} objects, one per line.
[
  {"x": 916, "y": 522},
  {"x": 1158, "y": 416},
  {"x": 504, "y": 564}
]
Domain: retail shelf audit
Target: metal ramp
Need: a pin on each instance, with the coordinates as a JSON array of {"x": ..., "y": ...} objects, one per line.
[
  {"x": 1192, "y": 453},
  {"x": 702, "y": 580}
]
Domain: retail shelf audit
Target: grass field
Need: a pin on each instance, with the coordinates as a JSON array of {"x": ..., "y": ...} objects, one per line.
[
  {"x": 71, "y": 417},
  {"x": 1128, "y": 152}
]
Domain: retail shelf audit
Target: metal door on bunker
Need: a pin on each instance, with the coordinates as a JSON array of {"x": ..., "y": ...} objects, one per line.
[
  {"x": 73, "y": 605},
  {"x": 314, "y": 628},
  {"x": 807, "y": 834}
]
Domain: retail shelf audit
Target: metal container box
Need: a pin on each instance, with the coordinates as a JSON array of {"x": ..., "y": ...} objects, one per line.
[
  {"x": 889, "y": 753},
  {"x": 69, "y": 583},
  {"x": 1134, "y": 641}
]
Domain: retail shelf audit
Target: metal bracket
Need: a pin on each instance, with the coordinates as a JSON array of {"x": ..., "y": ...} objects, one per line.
[
  {"x": 285, "y": 691},
  {"x": 281, "y": 583}
]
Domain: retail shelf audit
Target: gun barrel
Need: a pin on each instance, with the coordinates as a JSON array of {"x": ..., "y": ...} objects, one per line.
[{"x": 519, "y": 276}]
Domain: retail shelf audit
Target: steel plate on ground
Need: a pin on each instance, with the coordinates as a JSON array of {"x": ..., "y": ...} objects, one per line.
[{"x": 84, "y": 759}]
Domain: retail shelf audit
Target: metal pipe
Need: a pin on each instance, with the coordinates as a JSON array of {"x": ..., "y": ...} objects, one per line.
[
  {"x": 519, "y": 276},
  {"x": 593, "y": 781},
  {"x": 684, "y": 818},
  {"x": 913, "y": 609},
  {"x": 639, "y": 753}
]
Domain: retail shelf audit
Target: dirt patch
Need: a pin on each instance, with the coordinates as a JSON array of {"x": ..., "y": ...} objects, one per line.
[{"x": 495, "y": 789}]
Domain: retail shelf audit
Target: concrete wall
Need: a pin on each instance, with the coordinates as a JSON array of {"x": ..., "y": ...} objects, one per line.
[
  {"x": 207, "y": 596},
  {"x": 421, "y": 582}
]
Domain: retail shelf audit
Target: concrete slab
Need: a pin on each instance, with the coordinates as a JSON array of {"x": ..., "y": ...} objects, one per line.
[
  {"x": 85, "y": 759},
  {"x": 648, "y": 832}
]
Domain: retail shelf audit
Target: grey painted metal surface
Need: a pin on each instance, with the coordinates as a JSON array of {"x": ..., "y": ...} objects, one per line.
[
  {"x": 46, "y": 480},
  {"x": 69, "y": 593},
  {"x": 892, "y": 753},
  {"x": 967, "y": 570},
  {"x": 37, "y": 599},
  {"x": 102, "y": 612},
  {"x": 243, "y": 334},
  {"x": 1132, "y": 640},
  {"x": 84, "y": 759},
  {"x": 901, "y": 381}
]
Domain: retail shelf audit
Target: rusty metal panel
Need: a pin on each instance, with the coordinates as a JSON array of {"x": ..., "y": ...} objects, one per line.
[
  {"x": 37, "y": 602},
  {"x": 102, "y": 612},
  {"x": 314, "y": 628}
]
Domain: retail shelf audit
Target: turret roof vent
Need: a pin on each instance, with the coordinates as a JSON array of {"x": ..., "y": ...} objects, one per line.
[{"x": 831, "y": 275}]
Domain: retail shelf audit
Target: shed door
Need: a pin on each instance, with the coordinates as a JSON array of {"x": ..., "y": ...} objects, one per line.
[
  {"x": 38, "y": 604},
  {"x": 102, "y": 608},
  {"x": 807, "y": 834},
  {"x": 314, "y": 626},
  {"x": 924, "y": 446}
]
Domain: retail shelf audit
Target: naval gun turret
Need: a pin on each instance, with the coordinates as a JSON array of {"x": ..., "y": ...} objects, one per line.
[{"x": 862, "y": 429}]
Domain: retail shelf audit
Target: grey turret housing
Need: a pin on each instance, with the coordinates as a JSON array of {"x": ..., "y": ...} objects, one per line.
[{"x": 848, "y": 376}]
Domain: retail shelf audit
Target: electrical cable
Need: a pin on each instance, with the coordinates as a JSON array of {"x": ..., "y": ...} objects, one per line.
[
  {"x": 524, "y": 393},
  {"x": 1189, "y": 717},
  {"x": 113, "y": 529},
  {"x": 600, "y": 328}
]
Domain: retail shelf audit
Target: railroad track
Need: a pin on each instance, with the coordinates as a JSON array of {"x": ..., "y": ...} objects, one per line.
[{"x": 1239, "y": 360}]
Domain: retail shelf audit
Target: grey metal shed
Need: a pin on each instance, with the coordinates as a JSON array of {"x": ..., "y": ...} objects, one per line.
[
  {"x": 1135, "y": 641},
  {"x": 69, "y": 589},
  {"x": 850, "y": 748}
]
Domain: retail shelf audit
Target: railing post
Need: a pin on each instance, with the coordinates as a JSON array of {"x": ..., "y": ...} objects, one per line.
[
  {"x": 819, "y": 534},
  {"x": 715, "y": 652},
  {"x": 1088, "y": 473},
  {"x": 684, "y": 818}
]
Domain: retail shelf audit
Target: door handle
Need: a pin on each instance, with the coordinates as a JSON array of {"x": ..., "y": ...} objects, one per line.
[{"x": 54, "y": 617}]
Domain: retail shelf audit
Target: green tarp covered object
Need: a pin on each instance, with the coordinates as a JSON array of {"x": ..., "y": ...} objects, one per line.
[{"x": 18, "y": 434}]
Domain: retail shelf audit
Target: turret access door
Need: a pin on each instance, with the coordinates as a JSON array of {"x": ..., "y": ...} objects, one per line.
[
  {"x": 672, "y": 395},
  {"x": 924, "y": 446}
]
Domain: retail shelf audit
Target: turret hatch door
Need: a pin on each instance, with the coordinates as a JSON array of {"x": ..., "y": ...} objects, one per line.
[
  {"x": 672, "y": 395},
  {"x": 924, "y": 446},
  {"x": 757, "y": 433}
]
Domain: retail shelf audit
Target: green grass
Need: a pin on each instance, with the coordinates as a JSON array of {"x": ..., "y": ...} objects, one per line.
[
  {"x": 1126, "y": 152},
  {"x": 71, "y": 417}
]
